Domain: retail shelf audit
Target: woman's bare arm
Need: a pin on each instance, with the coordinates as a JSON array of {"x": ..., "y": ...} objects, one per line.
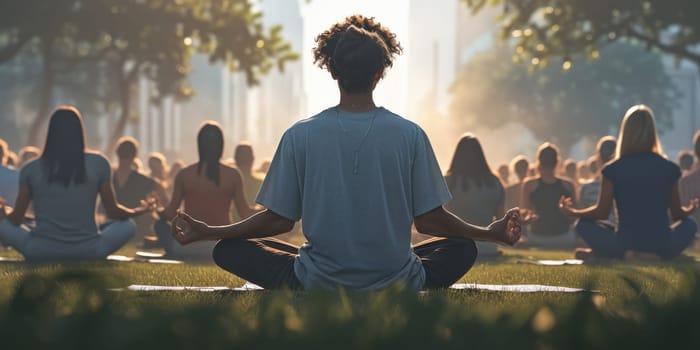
[
  {"x": 169, "y": 211},
  {"x": 599, "y": 211},
  {"x": 24, "y": 198}
]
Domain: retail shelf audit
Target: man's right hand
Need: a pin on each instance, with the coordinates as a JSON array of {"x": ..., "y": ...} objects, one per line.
[
  {"x": 507, "y": 230},
  {"x": 186, "y": 230}
]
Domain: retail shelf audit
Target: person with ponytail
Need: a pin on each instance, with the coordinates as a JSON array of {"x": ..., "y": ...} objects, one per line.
[
  {"x": 358, "y": 176},
  {"x": 644, "y": 186},
  {"x": 207, "y": 189},
  {"x": 63, "y": 186}
]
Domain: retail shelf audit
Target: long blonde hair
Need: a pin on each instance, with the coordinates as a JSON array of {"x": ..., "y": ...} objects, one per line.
[{"x": 638, "y": 133}]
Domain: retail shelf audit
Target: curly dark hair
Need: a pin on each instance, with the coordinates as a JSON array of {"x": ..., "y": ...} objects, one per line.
[{"x": 354, "y": 50}]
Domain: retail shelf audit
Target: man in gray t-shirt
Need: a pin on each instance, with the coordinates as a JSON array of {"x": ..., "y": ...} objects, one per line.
[{"x": 358, "y": 177}]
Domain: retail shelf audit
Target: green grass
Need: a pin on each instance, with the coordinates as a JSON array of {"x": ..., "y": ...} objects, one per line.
[{"x": 69, "y": 306}]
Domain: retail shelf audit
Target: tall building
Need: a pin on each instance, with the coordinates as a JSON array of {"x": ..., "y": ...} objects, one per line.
[
  {"x": 259, "y": 114},
  {"x": 443, "y": 35},
  {"x": 431, "y": 54},
  {"x": 280, "y": 100}
]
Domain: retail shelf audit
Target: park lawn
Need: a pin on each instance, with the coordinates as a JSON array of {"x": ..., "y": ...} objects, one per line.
[{"x": 56, "y": 305}]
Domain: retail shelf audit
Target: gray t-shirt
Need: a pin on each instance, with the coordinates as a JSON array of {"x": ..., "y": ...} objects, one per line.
[
  {"x": 66, "y": 214},
  {"x": 356, "y": 198}
]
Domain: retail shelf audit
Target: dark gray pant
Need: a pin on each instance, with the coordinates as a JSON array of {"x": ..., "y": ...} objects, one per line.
[
  {"x": 112, "y": 237},
  {"x": 269, "y": 262},
  {"x": 604, "y": 242}
]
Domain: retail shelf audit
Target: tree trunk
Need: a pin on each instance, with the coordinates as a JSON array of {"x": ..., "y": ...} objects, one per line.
[
  {"x": 45, "y": 94},
  {"x": 125, "y": 81}
]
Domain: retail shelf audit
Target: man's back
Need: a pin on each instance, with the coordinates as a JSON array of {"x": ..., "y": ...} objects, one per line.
[{"x": 357, "y": 180}]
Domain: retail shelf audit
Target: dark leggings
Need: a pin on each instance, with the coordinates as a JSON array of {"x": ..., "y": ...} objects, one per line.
[
  {"x": 269, "y": 262},
  {"x": 604, "y": 242}
]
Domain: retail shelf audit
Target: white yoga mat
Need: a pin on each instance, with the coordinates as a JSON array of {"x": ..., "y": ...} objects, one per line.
[
  {"x": 122, "y": 258},
  {"x": 519, "y": 288},
  {"x": 2, "y": 259},
  {"x": 552, "y": 262},
  {"x": 249, "y": 287}
]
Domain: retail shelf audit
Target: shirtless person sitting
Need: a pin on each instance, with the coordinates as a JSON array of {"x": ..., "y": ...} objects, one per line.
[{"x": 207, "y": 189}]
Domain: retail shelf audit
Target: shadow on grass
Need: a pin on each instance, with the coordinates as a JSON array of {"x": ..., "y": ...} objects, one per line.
[{"x": 74, "y": 310}]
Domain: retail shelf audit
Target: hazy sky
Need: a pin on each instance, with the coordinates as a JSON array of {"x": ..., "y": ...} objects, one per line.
[{"x": 319, "y": 15}]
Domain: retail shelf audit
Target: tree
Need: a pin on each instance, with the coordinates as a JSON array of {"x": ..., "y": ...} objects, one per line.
[
  {"x": 133, "y": 38},
  {"x": 555, "y": 28},
  {"x": 587, "y": 101}
]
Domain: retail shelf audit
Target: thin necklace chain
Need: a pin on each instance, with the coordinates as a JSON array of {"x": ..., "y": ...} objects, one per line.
[{"x": 356, "y": 162}]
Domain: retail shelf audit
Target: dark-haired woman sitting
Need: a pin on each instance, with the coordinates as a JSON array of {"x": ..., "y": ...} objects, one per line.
[
  {"x": 207, "y": 189},
  {"x": 478, "y": 195},
  {"x": 63, "y": 185}
]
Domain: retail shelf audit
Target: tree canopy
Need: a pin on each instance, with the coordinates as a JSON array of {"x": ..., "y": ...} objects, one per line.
[
  {"x": 587, "y": 101},
  {"x": 127, "y": 39},
  {"x": 555, "y": 28}
]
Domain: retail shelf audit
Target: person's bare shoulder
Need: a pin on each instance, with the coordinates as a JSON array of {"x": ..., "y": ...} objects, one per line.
[{"x": 188, "y": 172}]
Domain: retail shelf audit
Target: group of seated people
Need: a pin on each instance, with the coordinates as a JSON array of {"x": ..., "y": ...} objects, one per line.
[
  {"x": 549, "y": 196},
  {"x": 63, "y": 201},
  {"x": 626, "y": 201},
  {"x": 360, "y": 178}
]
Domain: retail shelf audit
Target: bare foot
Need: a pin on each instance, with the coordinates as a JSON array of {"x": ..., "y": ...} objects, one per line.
[
  {"x": 583, "y": 253},
  {"x": 631, "y": 255}
]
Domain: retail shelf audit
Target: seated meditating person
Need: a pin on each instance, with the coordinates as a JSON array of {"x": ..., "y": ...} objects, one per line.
[
  {"x": 158, "y": 166},
  {"x": 605, "y": 152},
  {"x": 131, "y": 186},
  {"x": 63, "y": 186},
  {"x": 689, "y": 184},
  {"x": 477, "y": 193},
  {"x": 644, "y": 185},
  {"x": 520, "y": 166},
  {"x": 244, "y": 159},
  {"x": 504, "y": 173},
  {"x": 570, "y": 172},
  {"x": 358, "y": 176},
  {"x": 540, "y": 195},
  {"x": 686, "y": 160},
  {"x": 207, "y": 189}
]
